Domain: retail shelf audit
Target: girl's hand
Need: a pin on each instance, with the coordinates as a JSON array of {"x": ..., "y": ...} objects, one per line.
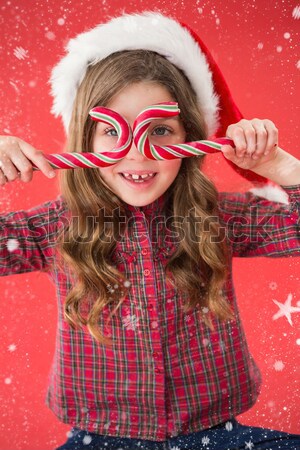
[
  {"x": 15, "y": 160},
  {"x": 255, "y": 143}
]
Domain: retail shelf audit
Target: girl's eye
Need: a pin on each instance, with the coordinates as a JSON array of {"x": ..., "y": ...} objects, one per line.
[
  {"x": 111, "y": 132},
  {"x": 161, "y": 131}
]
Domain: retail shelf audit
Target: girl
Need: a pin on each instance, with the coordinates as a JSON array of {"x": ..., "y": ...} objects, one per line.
[{"x": 150, "y": 349}]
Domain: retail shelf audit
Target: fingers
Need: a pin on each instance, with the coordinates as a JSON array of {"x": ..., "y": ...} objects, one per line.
[
  {"x": 253, "y": 138},
  {"x": 16, "y": 158},
  {"x": 38, "y": 158}
]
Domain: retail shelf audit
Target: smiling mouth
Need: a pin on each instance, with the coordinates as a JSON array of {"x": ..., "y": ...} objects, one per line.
[{"x": 137, "y": 178}]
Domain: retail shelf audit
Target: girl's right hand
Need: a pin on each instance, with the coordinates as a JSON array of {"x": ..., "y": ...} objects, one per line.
[{"x": 16, "y": 157}]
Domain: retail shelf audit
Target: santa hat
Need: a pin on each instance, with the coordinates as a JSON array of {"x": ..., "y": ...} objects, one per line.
[{"x": 168, "y": 37}]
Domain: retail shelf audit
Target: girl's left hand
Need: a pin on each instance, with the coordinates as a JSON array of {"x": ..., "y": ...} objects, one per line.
[{"x": 255, "y": 143}]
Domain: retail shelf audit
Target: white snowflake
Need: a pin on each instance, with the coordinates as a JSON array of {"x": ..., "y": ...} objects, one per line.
[
  {"x": 12, "y": 244},
  {"x": 278, "y": 366},
  {"x": 273, "y": 285},
  {"x": 296, "y": 12},
  {"x": 20, "y": 53},
  {"x": 285, "y": 309},
  {"x": 298, "y": 64},
  {"x": 249, "y": 445},
  {"x": 175, "y": 448},
  {"x": 12, "y": 347},
  {"x": 50, "y": 35},
  {"x": 130, "y": 322},
  {"x": 187, "y": 317},
  {"x": 87, "y": 440},
  {"x": 228, "y": 426},
  {"x": 205, "y": 440}
]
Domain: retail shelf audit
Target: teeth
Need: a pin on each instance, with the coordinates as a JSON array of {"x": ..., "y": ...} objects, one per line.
[{"x": 136, "y": 177}]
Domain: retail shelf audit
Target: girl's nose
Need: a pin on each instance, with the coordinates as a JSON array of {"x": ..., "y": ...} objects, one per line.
[{"x": 135, "y": 154}]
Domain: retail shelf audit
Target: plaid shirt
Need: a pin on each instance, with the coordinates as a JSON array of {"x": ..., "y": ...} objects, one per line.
[{"x": 167, "y": 373}]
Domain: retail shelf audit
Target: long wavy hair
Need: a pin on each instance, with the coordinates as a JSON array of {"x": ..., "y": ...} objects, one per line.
[{"x": 86, "y": 249}]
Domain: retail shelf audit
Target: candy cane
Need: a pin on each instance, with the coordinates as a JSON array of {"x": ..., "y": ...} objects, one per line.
[
  {"x": 94, "y": 160},
  {"x": 140, "y": 137},
  {"x": 162, "y": 110}
]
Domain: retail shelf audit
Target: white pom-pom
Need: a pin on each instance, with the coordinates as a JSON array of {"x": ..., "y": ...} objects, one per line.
[{"x": 272, "y": 193}]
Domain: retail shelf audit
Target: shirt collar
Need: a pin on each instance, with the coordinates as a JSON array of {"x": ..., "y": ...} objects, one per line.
[{"x": 152, "y": 209}]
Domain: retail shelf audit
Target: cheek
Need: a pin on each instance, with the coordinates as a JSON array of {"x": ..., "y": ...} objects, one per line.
[
  {"x": 172, "y": 168},
  {"x": 106, "y": 173}
]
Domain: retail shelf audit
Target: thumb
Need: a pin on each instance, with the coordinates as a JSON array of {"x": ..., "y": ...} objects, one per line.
[{"x": 228, "y": 152}]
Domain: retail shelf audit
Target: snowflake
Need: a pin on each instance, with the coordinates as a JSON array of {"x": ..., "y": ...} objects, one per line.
[
  {"x": 296, "y": 12},
  {"x": 273, "y": 285},
  {"x": 298, "y": 64},
  {"x": 249, "y": 445},
  {"x": 285, "y": 309},
  {"x": 175, "y": 448},
  {"x": 12, "y": 244},
  {"x": 187, "y": 318},
  {"x": 12, "y": 347},
  {"x": 228, "y": 426},
  {"x": 20, "y": 53},
  {"x": 278, "y": 366},
  {"x": 87, "y": 440},
  {"x": 130, "y": 322},
  {"x": 205, "y": 440}
]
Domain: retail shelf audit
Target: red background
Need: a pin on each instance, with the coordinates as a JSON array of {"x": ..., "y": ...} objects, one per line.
[{"x": 261, "y": 63}]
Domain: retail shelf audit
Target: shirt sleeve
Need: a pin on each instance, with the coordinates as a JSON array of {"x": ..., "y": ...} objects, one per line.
[
  {"x": 256, "y": 226},
  {"x": 27, "y": 238}
]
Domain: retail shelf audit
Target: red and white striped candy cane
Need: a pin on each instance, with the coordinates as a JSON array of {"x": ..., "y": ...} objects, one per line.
[
  {"x": 162, "y": 110},
  {"x": 140, "y": 137},
  {"x": 94, "y": 160}
]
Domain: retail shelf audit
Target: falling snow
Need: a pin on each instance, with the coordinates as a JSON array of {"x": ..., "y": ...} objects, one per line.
[
  {"x": 273, "y": 285},
  {"x": 20, "y": 53},
  {"x": 228, "y": 426},
  {"x": 87, "y": 440},
  {"x": 130, "y": 322},
  {"x": 296, "y": 12},
  {"x": 286, "y": 309},
  {"x": 12, "y": 244},
  {"x": 249, "y": 445},
  {"x": 12, "y": 348},
  {"x": 278, "y": 366},
  {"x": 205, "y": 440}
]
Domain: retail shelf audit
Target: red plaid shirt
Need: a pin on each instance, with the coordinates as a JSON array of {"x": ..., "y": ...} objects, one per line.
[{"x": 167, "y": 373}]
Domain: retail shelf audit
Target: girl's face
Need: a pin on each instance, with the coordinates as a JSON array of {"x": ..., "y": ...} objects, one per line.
[{"x": 129, "y": 103}]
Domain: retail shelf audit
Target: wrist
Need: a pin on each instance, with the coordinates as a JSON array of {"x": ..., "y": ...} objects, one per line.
[{"x": 284, "y": 169}]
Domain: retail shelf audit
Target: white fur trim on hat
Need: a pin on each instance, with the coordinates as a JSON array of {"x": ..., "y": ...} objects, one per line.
[{"x": 149, "y": 31}]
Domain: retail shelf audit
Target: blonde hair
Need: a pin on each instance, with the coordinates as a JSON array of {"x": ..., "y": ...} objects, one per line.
[{"x": 87, "y": 251}]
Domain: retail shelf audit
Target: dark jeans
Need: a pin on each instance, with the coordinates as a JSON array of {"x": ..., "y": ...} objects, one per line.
[{"x": 228, "y": 436}]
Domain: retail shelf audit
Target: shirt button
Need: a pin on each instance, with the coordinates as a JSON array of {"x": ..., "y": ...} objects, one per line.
[
  {"x": 155, "y": 354},
  {"x": 146, "y": 272},
  {"x": 150, "y": 306},
  {"x": 144, "y": 251},
  {"x": 157, "y": 370}
]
